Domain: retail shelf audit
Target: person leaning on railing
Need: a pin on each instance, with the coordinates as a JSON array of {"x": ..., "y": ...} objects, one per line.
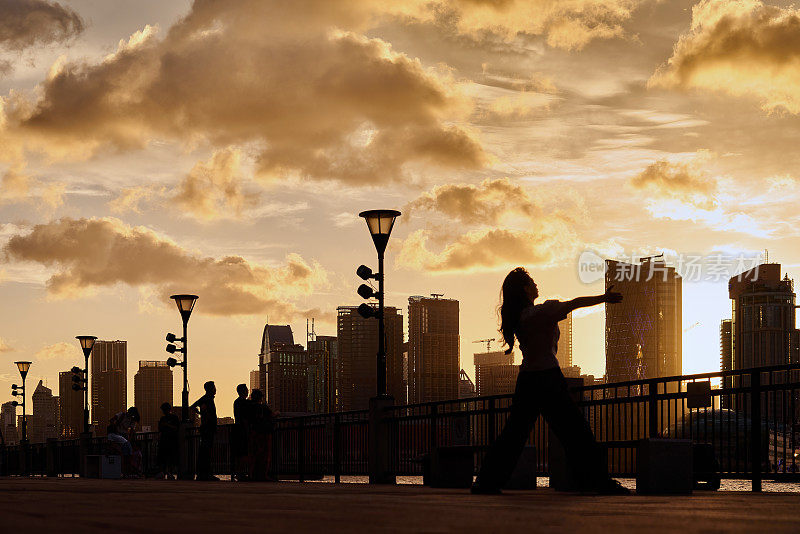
[{"x": 542, "y": 389}]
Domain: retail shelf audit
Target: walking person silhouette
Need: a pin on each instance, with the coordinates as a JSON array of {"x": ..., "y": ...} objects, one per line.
[{"x": 542, "y": 389}]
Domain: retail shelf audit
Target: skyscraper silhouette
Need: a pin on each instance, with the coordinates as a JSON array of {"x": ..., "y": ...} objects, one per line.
[
  {"x": 495, "y": 373},
  {"x": 433, "y": 349},
  {"x": 70, "y": 406},
  {"x": 152, "y": 386},
  {"x": 43, "y": 421},
  {"x": 643, "y": 332},
  {"x": 283, "y": 368},
  {"x": 358, "y": 348},
  {"x": 109, "y": 381}
]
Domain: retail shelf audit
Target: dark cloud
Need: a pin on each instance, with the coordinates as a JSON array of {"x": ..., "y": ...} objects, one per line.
[
  {"x": 25, "y": 23},
  {"x": 88, "y": 254}
]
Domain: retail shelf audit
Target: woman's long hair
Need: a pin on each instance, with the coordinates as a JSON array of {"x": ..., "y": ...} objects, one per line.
[{"x": 514, "y": 299}]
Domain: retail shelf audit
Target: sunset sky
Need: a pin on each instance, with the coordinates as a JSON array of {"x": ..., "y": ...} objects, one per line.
[{"x": 225, "y": 148}]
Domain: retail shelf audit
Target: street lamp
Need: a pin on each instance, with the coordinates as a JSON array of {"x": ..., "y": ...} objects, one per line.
[
  {"x": 185, "y": 305},
  {"x": 23, "y": 372},
  {"x": 379, "y": 223},
  {"x": 81, "y": 383}
]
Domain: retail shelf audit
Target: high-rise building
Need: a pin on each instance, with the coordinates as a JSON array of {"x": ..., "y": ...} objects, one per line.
[
  {"x": 726, "y": 358},
  {"x": 643, "y": 332},
  {"x": 763, "y": 328},
  {"x": 433, "y": 349},
  {"x": 255, "y": 380},
  {"x": 71, "y": 407},
  {"x": 466, "y": 387},
  {"x": 495, "y": 373},
  {"x": 43, "y": 421},
  {"x": 357, "y": 338},
  {"x": 109, "y": 376},
  {"x": 322, "y": 362},
  {"x": 564, "y": 354},
  {"x": 8, "y": 423},
  {"x": 284, "y": 366},
  {"x": 152, "y": 387}
]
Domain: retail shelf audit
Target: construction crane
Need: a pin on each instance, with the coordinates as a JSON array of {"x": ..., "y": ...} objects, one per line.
[{"x": 488, "y": 343}]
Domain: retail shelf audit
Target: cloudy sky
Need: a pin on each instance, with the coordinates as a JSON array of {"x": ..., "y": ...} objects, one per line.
[{"x": 225, "y": 149}]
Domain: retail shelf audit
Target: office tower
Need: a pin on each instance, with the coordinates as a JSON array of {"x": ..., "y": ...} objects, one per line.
[
  {"x": 763, "y": 317},
  {"x": 71, "y": 407},
  {"x": 322, "y": 362},
  {"x": 8, "y": 423},
  {"x": 358, "y": 348},
  {"x": 564, "y": 354},
  {"x": 152, "y": 387},
  {"x": 283, "y": 367},
  {"x": 109, "y": 378},
  {"x": 255, "y": 380},
  {"x": 495, "y": 373},
  {"x": 433, "y": 349},
  {"x": 43, "y": 421},
  {"x": 643, "y": 332},
  {"x": 763, "y": 327},
  {"x": 466, "y": 388},
  {"x": 726, "y": 358}
]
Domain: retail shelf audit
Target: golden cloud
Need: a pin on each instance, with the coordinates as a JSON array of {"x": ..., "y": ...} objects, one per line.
[
  {"x": 4, "y": 347},
  {"x": 486, "y": 249},
  {"x": 213, "y": 188},
  {"x": 25, "y": 23},
  {"x": 17, "y": 186},
  {"x": 485, "y": 203},
  {"x": 316, "y": 100},
  {"x": 59, "y": 351},
  {"x": 95, "y": 253},
  {"x": 743, "y": 48},
  {"x": 678, "y": 181}
]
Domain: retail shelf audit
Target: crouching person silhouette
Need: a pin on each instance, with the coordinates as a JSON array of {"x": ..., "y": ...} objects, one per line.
[{"x": 542, "y": 389}]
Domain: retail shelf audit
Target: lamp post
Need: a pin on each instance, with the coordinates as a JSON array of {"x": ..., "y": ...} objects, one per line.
[
  {"x": 379, "y": 223},
  {"x": 82, "y": 383},
  {"x": 23, "y": 372},
  {"x": 185, "y": 305}
]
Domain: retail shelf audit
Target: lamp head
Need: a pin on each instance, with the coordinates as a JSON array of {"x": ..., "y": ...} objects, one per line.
[
  {"x": 185, "y": 304},
  {"x": 380, "y": 224},
  {"x": 75, "y": 369},
  {"x": 172, "y": 362},
  {"x": 171, "y": 337},
  {"x": 87, "y": 342},
  {"x": 23, "y": 368},
  {"x": 171, "y": 348}
]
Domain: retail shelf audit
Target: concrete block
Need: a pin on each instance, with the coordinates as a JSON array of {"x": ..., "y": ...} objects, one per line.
[
  {"x": 664, "y": 466},
  {"x": 103, "y": 466}
]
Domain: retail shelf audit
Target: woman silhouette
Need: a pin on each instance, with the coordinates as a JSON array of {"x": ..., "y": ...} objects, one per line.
[{"x": 541, "y": 389}]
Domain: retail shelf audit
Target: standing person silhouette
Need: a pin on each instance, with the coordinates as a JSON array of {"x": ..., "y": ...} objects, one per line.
[
  {"x": 542, "y": 389},
  {"x": 239, "y": 433},
  {"x": 208, "y": 429}
]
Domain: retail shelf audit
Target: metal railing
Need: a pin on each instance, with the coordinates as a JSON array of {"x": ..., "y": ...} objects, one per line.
[{"x": 751, "y": 420}]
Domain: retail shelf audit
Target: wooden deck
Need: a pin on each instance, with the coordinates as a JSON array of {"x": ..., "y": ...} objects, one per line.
[{"x": 76, "y": 505}]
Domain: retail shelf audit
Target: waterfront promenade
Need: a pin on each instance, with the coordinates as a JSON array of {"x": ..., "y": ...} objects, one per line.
[{"x": 75, "y": 505}]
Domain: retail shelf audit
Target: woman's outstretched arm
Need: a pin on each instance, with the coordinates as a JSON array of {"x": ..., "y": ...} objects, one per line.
[{"x": 610, "y": 297}]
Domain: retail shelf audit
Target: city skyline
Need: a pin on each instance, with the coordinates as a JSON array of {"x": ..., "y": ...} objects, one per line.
[{"x": 510, "y": 137}]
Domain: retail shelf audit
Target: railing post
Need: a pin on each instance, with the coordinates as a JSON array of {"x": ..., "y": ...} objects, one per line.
[
  {"x": 301, "y": 449},
  {"x": 755, "y": 428},
  {"x": 434, "y": 434},
  {"x": 491, "y": 427},
  {"x": 84, "y": 448},
  {"x": 652, "y": 405},
  {"x": 379, "y": 448},
  {"x": 337, "y": 449},
  {"x": 52, "y": 469}
]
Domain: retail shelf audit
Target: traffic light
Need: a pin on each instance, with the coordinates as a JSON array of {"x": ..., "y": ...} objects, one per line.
[
  {"x": 366, "y": 291},
  {"x": 78, "y": 380}
]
